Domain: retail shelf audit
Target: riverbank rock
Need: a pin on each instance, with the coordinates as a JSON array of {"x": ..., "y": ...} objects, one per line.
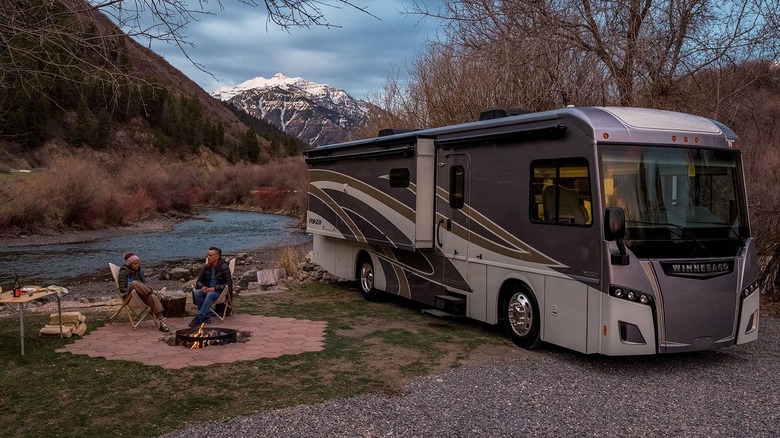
[
  {"x": 308, "y": 272},
  {"x": 178, "y": 274},
  {"x": 270, "y": 277}
]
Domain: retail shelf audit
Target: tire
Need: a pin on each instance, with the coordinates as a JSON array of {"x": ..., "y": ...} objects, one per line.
[
  {"x": 366, "y": 279},
  {"x": 521, "y": 317}
]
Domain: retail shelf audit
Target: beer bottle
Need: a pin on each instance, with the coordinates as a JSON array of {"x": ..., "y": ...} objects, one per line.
[{"x": 17, "y": 288}]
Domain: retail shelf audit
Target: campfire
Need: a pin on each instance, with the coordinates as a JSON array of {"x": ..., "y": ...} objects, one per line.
[{"x": 203, "y": 337}]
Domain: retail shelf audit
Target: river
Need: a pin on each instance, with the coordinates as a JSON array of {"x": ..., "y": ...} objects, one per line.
[{"x": 231, "y": 231}]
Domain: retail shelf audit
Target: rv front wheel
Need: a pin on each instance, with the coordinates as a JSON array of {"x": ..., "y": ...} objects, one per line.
[
  {"x": 521, "y": 316},
  {"x": 366, "y": 277}
]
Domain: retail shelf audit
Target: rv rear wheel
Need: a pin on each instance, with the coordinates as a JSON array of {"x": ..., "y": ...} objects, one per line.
[
  {"x": 366, "y": 277},
  {"x": 521, "y": 316}
]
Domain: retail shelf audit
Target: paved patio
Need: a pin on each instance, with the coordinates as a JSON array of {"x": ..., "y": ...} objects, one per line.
[{"x": 269, "y": 337}]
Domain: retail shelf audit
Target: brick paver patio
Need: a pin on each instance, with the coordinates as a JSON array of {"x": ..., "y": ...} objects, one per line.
[{"x": 269, "y": 337}]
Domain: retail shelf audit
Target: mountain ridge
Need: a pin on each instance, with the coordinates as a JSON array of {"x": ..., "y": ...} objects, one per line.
[{"x": 316, "y": 113}]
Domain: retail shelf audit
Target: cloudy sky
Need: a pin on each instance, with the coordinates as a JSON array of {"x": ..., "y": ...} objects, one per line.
[{"x": 238, "y": 44}]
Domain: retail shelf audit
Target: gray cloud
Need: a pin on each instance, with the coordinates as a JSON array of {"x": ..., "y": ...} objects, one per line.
[{"x": 238, "y": 44}]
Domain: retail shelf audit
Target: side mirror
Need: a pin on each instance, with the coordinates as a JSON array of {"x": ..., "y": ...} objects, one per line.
[
  {"x": 615, "y": 229},
  {"x": 614, "y": 223}
]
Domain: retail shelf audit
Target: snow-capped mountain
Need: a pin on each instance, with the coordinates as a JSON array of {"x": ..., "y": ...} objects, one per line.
[{"x": 316, "y": 113}]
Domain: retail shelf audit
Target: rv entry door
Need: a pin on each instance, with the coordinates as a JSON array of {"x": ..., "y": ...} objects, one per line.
[{"x": 452, "y": 228}]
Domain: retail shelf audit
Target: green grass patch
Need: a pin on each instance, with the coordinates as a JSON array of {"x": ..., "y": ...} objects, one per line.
[{"x": 368, "y": 347}]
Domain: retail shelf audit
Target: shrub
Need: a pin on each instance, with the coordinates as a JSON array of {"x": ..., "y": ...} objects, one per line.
[
  {"x": 288, "y": 260},
  {"x": 78, "y": 195},
  {"x": 23, "y": 208}
]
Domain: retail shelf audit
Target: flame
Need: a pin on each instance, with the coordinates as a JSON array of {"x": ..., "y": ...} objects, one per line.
[{"x": 199, "y": 333}]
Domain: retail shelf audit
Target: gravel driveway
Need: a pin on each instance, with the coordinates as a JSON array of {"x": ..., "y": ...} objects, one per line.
[{"x": 733, "y": 392}]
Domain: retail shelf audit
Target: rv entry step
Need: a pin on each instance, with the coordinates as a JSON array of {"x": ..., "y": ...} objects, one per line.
[{"x": 447, "y": 306}]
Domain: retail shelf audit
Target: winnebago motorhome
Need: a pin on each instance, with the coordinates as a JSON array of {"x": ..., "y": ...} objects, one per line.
[{"x": 619, "y": 231}]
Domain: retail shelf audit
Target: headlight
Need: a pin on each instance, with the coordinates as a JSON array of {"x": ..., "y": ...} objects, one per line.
[
  {"x": 630, "y": 294},
  {"x": 746, "y": 292}
]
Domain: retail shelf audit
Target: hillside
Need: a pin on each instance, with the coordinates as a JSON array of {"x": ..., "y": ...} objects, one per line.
[
  {"x": 113, "y": 134},
  {"x": 115, "y": 98}
]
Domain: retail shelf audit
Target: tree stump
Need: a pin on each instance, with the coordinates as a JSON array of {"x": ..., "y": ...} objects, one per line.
[{"x": 174, "y": 304}]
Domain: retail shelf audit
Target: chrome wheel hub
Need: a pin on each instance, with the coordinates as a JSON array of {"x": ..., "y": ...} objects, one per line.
[
  {"x": 366, "y": 278},
  {"x": 520, "y": 314}
]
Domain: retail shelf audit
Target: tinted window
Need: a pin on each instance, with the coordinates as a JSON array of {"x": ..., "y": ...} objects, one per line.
[
  {"x": 457, "y": 186},
  {"x": 560, "y": 192},
  {"x": 399, "y": 177}
]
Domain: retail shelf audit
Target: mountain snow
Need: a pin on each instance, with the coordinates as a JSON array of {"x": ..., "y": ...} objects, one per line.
[{"x": 316, "y": 113}]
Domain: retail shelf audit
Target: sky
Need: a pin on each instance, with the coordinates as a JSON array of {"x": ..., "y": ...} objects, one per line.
[{"x": 238, "y": 44}]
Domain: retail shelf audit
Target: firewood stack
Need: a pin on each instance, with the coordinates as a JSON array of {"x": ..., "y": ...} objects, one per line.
[{"x": 73, "y": 323}]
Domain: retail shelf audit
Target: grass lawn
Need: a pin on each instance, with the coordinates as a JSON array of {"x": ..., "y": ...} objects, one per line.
[{"x": 368, "y": 347}]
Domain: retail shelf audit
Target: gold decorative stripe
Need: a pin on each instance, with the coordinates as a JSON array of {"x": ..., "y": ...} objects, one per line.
[
  {"x": 327, "y": 200},
  {"x": 321, "y": 175}
]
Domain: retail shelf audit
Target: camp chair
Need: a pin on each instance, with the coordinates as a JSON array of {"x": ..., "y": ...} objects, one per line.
[
  {"x": 132, "y": 304},
  {"x": 225, "y": 297}
]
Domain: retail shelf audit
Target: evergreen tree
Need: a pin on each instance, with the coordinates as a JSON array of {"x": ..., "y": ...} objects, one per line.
[
  {"x": 78, "y": 133},
  {"x": 103, "y": 129},
  {"x": 248, "y": 147}
]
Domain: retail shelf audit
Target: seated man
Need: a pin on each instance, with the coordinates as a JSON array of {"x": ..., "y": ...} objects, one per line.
[{"x": 213, "y": 278}]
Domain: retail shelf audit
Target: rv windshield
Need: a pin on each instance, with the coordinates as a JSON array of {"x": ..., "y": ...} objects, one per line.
[{"x": 678, "y": 202}]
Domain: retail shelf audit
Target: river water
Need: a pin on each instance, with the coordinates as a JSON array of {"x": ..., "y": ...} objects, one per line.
[{"x": 231, "y": 231}]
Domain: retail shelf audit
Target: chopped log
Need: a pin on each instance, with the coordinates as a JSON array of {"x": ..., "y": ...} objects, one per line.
[
  {"x": 53, "y": 331},
  {"x": 67, "y": 318},
  {"x": 72, "y": 323},
  {"x": 82, "y": 328}
]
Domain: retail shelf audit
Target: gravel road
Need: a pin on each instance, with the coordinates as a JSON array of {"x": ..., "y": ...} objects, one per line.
[{"x": 732, "y": 392}]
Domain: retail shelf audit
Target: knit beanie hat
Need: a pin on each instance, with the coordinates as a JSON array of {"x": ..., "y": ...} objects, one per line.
[{"x": 130, "y": 258}]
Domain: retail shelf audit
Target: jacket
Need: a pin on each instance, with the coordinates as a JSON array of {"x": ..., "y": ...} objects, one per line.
[
  {"x": 126, "y": 277},
  {"x": 223, "y": 276}
]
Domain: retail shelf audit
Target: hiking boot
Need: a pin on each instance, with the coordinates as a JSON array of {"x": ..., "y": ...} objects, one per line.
[
  {"x": 164, "y": 327},
  {"x": 208, "y": 320},
  {"x": 195, "y": 322}
]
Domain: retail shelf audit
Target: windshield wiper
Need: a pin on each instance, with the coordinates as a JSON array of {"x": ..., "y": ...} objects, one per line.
[
  {"x": 682, "y": 233},
  {"x": 724, "y": 224}
]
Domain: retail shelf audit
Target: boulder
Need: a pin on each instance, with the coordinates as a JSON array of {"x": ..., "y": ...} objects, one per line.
[
  {"x": 179, "y": 274},
  {"x": 270, "y": 277}
]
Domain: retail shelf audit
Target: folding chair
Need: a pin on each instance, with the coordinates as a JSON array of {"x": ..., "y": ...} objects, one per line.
[
  {"x": 132, "y": 304},
  {"x": 226, "y": 297}
]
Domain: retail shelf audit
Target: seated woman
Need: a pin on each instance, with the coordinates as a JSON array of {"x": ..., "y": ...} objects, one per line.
[
  {"x": 131, "y": 277},
  {"x": 213, "y": 279}
]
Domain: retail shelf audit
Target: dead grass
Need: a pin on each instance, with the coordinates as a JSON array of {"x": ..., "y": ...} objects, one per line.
[
  {"x": 77, "y": 193},
  {"x": 289, "y": 258}
]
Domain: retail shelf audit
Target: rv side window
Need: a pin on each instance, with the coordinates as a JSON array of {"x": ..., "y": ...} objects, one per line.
[
  {"x": 457, "y": 186},
  {"x": 560, "y": 192},
  {"x": 399, "y": 178}
]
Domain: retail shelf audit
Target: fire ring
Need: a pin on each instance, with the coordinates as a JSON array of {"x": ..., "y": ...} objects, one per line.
[{"x": 204, "y": 336}]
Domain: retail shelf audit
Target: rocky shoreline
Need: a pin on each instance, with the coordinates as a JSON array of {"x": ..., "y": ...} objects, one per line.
[{"x": 87, "y": 289}]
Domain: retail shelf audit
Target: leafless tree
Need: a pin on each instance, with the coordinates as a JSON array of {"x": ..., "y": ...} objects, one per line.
[
  {"x": 71, "y": 40},
  {"x": 643, "y": 48}
]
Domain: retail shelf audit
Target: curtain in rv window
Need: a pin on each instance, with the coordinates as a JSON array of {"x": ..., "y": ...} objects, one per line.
[
  {"x": 560, "y": 192},
  {"x": 457, "y": 186}
]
